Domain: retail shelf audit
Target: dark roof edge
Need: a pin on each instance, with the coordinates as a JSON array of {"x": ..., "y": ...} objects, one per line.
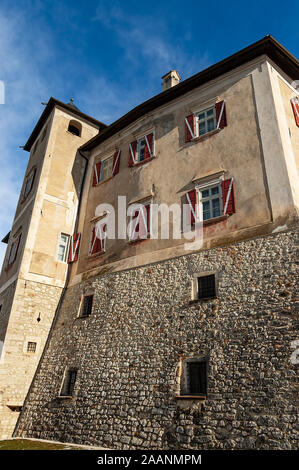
[
  {"x": 265, "y": 46},
  {"x": 45, "y": 114}
]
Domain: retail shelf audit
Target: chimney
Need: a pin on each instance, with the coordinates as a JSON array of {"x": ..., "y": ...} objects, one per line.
[{"x": 171, "y": 79}]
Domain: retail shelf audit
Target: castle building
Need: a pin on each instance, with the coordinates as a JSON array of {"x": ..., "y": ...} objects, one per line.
[{"x": 127, "y": 328}]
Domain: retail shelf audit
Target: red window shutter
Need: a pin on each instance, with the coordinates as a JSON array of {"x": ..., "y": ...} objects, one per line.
[
  {"x": 228, "y": 197},
  {"x": 189, "y": 127},
  {"x": 134, "y": 225},
  {"x": 74, "y": 247},
  {"x": 148, "y": 152},
  {"x": 192, "y": 201},
  {"x": 295, "y": 106},
  {"x": 132, "y": 150},
  {"x": 98, "y": 239},
  {"x": 222, "y": 112},
  {"x": 116, "y": 160},
  {"x": 96, "y": 173}
]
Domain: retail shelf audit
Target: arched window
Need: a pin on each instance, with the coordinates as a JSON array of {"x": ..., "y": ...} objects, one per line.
[{"x": 75, "y": 128}]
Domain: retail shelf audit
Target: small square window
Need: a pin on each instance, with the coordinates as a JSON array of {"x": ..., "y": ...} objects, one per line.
[
  {"x": 206, "y": 287},
  {"x": 31, "y": 347},
  {"x": 69, "y": 383},
  {"x": 86, "y": 307}
]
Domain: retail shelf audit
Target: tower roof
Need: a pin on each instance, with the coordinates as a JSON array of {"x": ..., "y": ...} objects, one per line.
[{"x": 48, "y": 109}]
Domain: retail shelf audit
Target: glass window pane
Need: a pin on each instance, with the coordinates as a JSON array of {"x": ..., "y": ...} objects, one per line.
[
  {"x": 216, "y": 207},
  {"x": 211, "y": 125},
  {"x": 61, "y": 251},
  {"x": 206, "y": 210},
  {"x": 201, "y": 128},
  {"x": 205, "y": 193},
  {"x": 215, "y": 190},
  {"x": 210, "y": 112},
  {"x": 141, "y": 150},
  {"x": 201, "y": 116}
]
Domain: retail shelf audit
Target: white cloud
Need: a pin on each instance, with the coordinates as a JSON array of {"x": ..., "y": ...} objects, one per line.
[{"x": 146, "y": 40}]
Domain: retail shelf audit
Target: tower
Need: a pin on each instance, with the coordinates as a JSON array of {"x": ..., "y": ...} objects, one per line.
[{"x": 35, "y": 265}]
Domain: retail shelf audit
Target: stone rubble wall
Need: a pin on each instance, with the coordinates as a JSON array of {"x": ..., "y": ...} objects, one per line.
[
  {"x": 17, "y": 366},
  {"x": 143, "y": 324}
]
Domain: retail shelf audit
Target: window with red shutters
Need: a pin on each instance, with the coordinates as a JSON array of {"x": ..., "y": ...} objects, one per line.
[
  {"x": 98, "y": 239},
  {"x": 295, "y": 106},
  {"x": 142, "y": 149},
  {"x": 74, "y": 247},
  {"x": 206, "y": 120},
  {"x": 211, "y": 201},
  {"x": 140, "y": 223}
]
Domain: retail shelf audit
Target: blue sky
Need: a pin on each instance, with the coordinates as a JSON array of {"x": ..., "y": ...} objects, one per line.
[{"x": 110, "y": 56}]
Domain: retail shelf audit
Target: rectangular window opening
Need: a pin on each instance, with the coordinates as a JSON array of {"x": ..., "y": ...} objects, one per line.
[
  {"x": 69, "y": 383},
  {"x": 196, "y": 377},
  {"x": 31, "y": 347},
  {"x": 86, "y": 307},
  {"x": 206, "y": 287}
]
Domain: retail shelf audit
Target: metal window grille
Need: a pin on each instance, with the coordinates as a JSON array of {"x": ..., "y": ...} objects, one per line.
[
  {"x": 31, "y": 347},
  {"x": 206, "y": 286},
  {"x": 87, "y": 306}
]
